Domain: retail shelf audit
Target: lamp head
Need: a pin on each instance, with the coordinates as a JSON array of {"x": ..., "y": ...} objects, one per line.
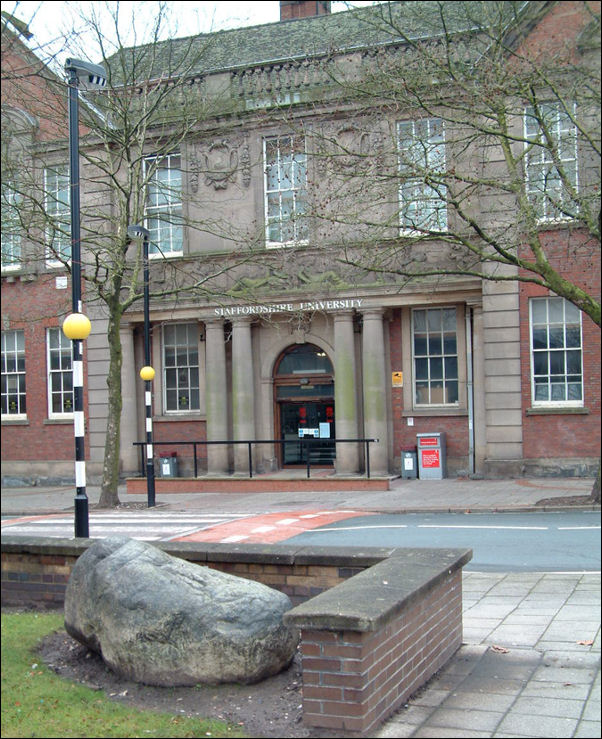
[
  {"x": 147, "y": 373},
  {"x": 77, "y": 326},
  {"x": 90, "y": 76},
  {"x": 138, "y": 232}
]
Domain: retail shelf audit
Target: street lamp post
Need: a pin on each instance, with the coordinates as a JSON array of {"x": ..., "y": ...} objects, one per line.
[
  {"x": 77, "y": 326},
  {"x": 147, "y": 373}
]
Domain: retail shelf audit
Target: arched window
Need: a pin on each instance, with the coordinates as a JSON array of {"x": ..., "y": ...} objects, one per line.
[{"x": 303, "y": 359}]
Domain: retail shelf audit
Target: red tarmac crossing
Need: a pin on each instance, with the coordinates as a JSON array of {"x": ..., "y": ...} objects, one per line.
[{"x": 269, "y": 527}]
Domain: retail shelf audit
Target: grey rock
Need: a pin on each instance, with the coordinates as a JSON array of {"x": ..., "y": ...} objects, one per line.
[{"x": 160, "y": 620}]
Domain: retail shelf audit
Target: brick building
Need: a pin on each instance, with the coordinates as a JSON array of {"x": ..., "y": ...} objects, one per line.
[
  {"x": 37, "y": 398},
  {"x": 303, "y": 338}
]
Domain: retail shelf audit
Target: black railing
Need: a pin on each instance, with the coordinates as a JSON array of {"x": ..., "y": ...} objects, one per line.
[{"x": 308, "y": 444}]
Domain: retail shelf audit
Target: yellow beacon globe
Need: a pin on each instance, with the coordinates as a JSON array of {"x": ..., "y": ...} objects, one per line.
[
  {"x": 77, "y": 326},
  {"x": 147, "y": 373}
]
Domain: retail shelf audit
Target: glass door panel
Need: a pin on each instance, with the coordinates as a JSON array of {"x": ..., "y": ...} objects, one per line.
[{"x": 307, "y": 419}]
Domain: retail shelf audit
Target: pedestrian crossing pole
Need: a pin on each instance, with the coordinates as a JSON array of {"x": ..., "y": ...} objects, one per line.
[{"x": 77, "y": 326}]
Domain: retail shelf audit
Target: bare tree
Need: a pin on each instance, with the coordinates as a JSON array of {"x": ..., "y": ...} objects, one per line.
[
  {"x": 469, "y": 139},
  {"x": 470, "y": 147},
  {"x": 152, "y": 104}
]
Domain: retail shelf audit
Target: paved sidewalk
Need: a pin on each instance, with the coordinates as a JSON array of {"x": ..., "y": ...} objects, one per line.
[
  {"x": 530, "y": 662},
  {"x": 529, "y": 666},
  {"x": 404, "y": 496}
]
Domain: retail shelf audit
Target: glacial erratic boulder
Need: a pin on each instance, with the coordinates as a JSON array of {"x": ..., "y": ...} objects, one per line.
[{"x": 160, "y": 620}]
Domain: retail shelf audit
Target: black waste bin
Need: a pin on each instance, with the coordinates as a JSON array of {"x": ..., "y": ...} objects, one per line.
[
  {"x": 409, "y": 469},
  {"x": 169, "y": 465}
]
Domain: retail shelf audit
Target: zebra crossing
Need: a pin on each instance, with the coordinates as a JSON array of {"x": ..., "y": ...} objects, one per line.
[{"x": 150, "y": 525}]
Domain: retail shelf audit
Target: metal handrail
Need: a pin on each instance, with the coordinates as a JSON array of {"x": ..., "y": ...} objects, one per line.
[{"x": 304, "y": 440}]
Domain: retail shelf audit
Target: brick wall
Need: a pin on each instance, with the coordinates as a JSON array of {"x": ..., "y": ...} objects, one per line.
[
  {"x": 353, "y": 681},
  {"x": 454, "y": 427},
  {"x": 36, "y": 576},
  {"x": 290, "y": 9},
  {"x": 562, "y": 434},
  {"x": 184, "y": 430},
  {"x": 34, "y": 306}
]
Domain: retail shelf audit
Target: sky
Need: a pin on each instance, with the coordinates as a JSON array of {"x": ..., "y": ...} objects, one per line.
[{"x": 51, "y": 21}]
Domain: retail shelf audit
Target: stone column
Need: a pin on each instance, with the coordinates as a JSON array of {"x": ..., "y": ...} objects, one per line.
[
  {"x": 216, "y": 397},
  {"x": 345, "y": 396},
  {"x": 243, "y": 402},
  {"x": 478, "y": 382},
  {"x": 375, "y": 390},
  {"x": 129, "y": 454}
]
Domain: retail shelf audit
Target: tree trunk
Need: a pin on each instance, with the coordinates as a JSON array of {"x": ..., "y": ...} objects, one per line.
[
  {"x": 595, "y": 494},
  {"x": 109, "y": 494}
]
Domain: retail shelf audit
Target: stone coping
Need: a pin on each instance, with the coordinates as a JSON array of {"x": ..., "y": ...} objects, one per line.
[
  {"x": 371, "y": 598},
  {"x": 282, "y": 554}
]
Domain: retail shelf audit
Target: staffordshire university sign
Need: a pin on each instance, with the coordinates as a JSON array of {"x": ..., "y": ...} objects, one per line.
[{"x": 297, "y": 307}]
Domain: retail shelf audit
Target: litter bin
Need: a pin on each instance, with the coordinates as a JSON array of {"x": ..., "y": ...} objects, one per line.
[
  {"x": 169, "y": 465},
  {"x": 408, "y": 463},
  {"x": 431, "y": 456}
]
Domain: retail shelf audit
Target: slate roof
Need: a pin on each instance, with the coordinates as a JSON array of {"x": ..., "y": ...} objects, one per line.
[{"x": 307, "y": 37}]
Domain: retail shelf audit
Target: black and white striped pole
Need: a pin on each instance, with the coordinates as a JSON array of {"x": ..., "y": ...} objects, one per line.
[
  {"x": 77, "y": 326},
  {"x": 147, "y": 373}
]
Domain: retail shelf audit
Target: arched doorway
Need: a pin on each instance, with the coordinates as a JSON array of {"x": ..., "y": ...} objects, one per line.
[{"x": 304, "y": 404}]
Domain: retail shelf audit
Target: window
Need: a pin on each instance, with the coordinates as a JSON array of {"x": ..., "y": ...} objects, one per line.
[
  {"x": 60, "y": 373},
  {"x": 435, "y": 354},
  {"x": 556, "y": 362},
  {"x": 304, "y": 359},
  {"x": 164, "y": 205},
  {"x": 11, "y": 227},
  {"x": 181, "y": 367},
  {"x": 58, "y": 213},
  {"x": 13, "y": 374},
  {"x": 285, "y": 190},
  {"x": 549, "y": 183},
  {"x": 421, "y": 162}
]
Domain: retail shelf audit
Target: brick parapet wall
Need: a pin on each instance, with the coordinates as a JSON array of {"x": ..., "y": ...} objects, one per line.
[
  {"x": 370, "y": 643},
  {"x": 375, "y": 626},
  {"x": 354, "y": 681},
  {"x": 35, "y": 570}
]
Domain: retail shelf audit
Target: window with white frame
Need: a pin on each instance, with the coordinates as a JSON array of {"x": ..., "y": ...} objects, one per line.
[
  {"x": 421, "y": 147},
  {"x": 58, "y": 214},
  {"x": 13, "y": 374},
  {"x": 181, "y": 367},
  {"x": 11, "y": 226},
  {"x": 285, "y": 171},
  {"x": 60, "y": 373},
  {"x": 551, "y": 161},
  {"x": 435, "y": 356},
  {"x": 164, "y": 205},
  {"x": 556, "y": 352}
]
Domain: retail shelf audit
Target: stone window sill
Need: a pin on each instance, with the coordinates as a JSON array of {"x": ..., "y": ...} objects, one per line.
[{"x": 536, "y": 411}]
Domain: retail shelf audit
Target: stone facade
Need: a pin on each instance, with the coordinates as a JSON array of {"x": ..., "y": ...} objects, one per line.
[{"x": 279, "y": 298}]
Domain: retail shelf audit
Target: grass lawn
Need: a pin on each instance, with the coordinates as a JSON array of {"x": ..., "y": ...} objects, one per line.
[{"x": 38, "y": 703}]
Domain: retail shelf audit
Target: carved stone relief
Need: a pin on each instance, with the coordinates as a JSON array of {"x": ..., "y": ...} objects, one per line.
[
  {"x": 245, "y": 163},
  {"x": 219, "y": 164},
  {"x": 351, "y": 148}
]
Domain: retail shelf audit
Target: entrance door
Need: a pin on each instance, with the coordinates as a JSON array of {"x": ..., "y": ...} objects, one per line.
[
  {"x": 304, "y": 405},
  {"x": 307, "y": 419}
]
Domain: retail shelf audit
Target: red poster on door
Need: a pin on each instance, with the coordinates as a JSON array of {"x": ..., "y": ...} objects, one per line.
[{"x": 430, "y": 458}]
